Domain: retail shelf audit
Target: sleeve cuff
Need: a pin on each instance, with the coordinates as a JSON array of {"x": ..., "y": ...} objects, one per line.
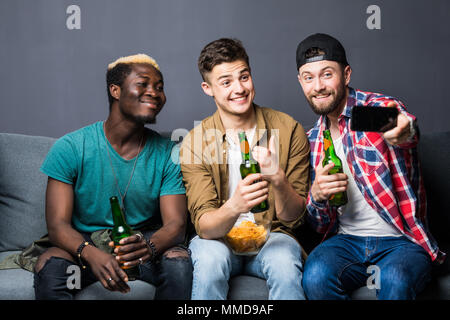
[
  {"x": 56, "y": 176},
  {"x": 318, "y": 205}
]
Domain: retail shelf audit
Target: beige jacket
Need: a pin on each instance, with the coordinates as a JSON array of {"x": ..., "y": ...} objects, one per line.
[{"x": 203, "y": 158}]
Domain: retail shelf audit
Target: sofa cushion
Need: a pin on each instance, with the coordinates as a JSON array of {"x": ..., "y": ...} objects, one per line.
[
  {"x": 248, "y": 288},
  {"x": 15, "y": 284},
  {"x": 22, "y": 189},
  {"x": 364, "y": 293}
]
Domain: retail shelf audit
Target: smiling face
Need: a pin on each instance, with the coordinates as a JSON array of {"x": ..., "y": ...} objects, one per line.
[
  {"x": 324, "y": 84},
  {"x": 231, "y": 86},
  {"x": 141, "y": 96}
]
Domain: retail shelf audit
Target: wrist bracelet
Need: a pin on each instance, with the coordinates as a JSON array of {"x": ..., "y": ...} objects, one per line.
[
  {"x": 79, "y": 250},
  {"x": 152, "y": 248}
]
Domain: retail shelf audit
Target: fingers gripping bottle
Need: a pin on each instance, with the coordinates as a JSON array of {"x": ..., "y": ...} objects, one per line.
[
  {"x": 338, "y": 199},
  {"x": 249, "y": 166},
  {"x": 121, "y": 230}
]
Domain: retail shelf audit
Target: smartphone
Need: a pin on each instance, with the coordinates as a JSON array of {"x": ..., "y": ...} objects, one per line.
[{"x": 376, "y": 119}]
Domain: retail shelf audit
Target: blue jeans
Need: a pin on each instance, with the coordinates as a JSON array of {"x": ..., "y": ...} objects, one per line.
[
  {"x": 340, "y": 265},
  {"x": 279, "y": 262}
]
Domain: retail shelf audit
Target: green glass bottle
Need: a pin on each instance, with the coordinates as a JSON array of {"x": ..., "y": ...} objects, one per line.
[
  {"x": 121, "y": 230},
  {"x": 248, "y": 166},
  {"x": 338, "y": 199}
]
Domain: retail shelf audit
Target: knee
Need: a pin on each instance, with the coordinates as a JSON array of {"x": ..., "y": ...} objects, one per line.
[
  {"x": 178, "y": 261},
  {"x": 51, "y": 253},
  {"x": 403, "y": 280},
  {"x": 285, "y": 265},
  {"x": 177, "y": 270},
  {"x": 283, "y": 252},
  {"x": 176, "y": 253},
  {"x": 50, "y": 279},
  {"x": 397, "y": 280},
  {"x": 210, "y": 256},
  {"x": 315, "y": 274}
]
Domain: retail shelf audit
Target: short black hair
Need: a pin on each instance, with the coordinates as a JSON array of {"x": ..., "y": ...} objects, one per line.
[{"x": 117, "y": 76}]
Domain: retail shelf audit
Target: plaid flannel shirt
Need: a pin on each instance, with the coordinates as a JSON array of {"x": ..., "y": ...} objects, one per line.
[{"x": 388, "y": 177}]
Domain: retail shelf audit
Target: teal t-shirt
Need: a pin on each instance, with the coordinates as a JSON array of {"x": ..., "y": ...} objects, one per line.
[{"x": 80, "y": 159}]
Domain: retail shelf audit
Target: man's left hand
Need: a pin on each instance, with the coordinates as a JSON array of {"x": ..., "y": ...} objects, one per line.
[
  {"x": 132, "y": 251},
  {"x": 400, "y": 134}
]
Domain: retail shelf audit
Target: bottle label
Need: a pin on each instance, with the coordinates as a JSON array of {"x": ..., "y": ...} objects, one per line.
[
  {"x": 326, "y": 144},
  {"x": 245, "y": 147}
]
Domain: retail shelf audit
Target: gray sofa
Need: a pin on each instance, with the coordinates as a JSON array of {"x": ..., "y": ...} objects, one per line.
[
  {"x": 22, "y": 198},
  {"x": 22, "y": 220}
]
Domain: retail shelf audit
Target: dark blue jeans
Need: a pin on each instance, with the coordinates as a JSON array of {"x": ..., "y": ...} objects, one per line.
[
  {"x": 172, "y": 277},
  {"x": 395, "y": 267}
]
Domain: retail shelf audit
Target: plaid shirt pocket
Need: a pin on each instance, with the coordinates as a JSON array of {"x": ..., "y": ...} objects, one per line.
[{"x": 367, "y": 157}]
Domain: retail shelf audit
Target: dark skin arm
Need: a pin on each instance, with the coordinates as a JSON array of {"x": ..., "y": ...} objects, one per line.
[
  {"x": 174, "y": 217},
  {"x": 59, "y": 206}
]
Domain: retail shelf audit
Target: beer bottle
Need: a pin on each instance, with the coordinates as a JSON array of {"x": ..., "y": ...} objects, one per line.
[
  {"x": 248, "y": 166},
  {"x": 338, "y": 199},
  {"x": 121, "y": 230}
]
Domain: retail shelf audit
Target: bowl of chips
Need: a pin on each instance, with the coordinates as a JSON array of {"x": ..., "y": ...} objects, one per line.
[{"x": 247, "y": 238}]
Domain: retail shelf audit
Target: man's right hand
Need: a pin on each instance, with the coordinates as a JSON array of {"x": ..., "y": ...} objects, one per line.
[
  {"x": 325, "y": 184},
  {"x": 250, "y": 192},
  {"x": 105, "y": 267}
]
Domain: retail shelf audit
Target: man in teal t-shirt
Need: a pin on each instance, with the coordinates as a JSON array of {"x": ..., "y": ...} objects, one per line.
[
  {"x": 117, "y": 157},
  {"x": 80, "y": 158}
]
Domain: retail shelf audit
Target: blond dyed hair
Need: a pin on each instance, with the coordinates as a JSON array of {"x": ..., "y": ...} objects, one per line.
[{"x": 136, "y": 58}]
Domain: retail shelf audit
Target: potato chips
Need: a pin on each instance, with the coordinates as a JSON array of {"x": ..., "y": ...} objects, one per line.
[{"x": 246, "y": 238}]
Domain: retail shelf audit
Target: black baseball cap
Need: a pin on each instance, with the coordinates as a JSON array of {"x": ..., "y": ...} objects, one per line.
[{"x": 333, "y": 49}]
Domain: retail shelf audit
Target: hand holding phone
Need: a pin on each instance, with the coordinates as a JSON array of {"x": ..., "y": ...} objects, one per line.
[
  {"x": 394, "y": 125},
  {"x": 375, "y": 119},
  {"x": 401, "y": 133}
]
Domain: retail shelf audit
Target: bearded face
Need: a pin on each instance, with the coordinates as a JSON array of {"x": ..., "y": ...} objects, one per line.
[
  {"x": 326, "y": 101},
  {"x": 324, "y": 84}
]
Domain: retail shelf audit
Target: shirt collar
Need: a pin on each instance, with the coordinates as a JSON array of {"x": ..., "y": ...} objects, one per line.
[
  {"x": 351, "y": 102},
  {"x": 260, "y": 123}
]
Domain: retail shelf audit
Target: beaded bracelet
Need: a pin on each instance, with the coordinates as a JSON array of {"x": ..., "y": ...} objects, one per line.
[
  {"x": 79, "y": 250},
  {"x": 152, "y": 248}
]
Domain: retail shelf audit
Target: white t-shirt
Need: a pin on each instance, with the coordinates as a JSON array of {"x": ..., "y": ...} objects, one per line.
[
  {"x": 357, "y": 217},
  {"x": 234, "y": 159}
]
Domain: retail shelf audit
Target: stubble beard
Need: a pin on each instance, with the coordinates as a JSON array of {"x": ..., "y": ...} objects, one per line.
[
  {"x": 141, "y": 119},
  {"x": 145, "y": 119},
  {"x": 332, "y": 106}
]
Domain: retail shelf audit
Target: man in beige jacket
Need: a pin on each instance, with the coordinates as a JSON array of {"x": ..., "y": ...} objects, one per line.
[{"x": 219, "y": 199}]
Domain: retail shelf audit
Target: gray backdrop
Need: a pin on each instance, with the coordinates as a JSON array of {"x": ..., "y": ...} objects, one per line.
[{"x": 53, "y": 77}]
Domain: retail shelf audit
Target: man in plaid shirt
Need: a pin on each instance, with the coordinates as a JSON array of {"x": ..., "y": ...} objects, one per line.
[{"x": 383, "y": 224}]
